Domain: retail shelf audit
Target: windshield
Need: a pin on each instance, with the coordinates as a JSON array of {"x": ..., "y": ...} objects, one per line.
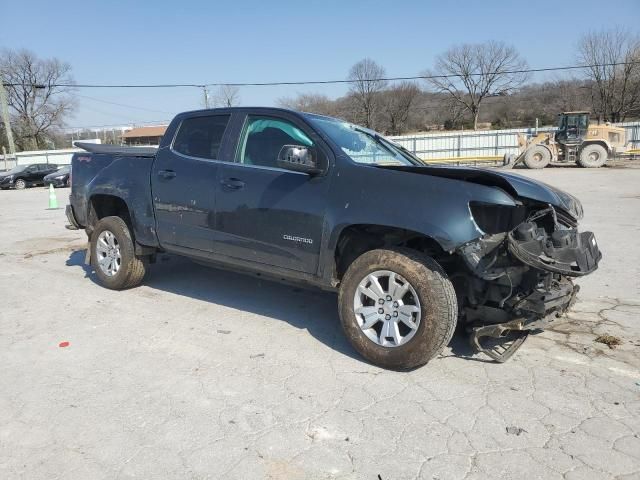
[
  {"x": 17, "y": 169},
  {"x": 63, "y": 170},
  {"x": 360, "y": 144}
]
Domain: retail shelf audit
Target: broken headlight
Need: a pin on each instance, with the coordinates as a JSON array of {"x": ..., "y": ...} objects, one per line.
[{"x": 492, "y": 218}]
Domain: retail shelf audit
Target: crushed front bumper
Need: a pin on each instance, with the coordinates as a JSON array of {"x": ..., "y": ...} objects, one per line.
[
  {"x": 566, "y": 252},
  {"x": 536, "y": 312},
  {"x": 522, "y": 280}
]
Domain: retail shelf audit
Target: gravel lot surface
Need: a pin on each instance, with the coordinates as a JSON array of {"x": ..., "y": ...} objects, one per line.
[{"x": 201, "y": 373}]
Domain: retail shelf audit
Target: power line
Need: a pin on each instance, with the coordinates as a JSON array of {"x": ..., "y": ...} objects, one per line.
[
  {"x": 429, "y": 105},
  {"x": 325, "y": 82},
  {"x": 125, "y": 118},
  {"x": 123, "y": 105}
]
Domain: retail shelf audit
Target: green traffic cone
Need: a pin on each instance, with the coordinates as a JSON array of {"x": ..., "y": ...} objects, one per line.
[{"x": 53, "y": 200}]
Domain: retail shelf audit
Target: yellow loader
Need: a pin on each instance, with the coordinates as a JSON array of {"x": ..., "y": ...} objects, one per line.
[{"x": 575, "y": 141}]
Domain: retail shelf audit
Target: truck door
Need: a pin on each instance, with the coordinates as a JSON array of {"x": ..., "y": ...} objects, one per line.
[
  {"x": 183, "y": 183},
  {"x": 265, "y": 213}
]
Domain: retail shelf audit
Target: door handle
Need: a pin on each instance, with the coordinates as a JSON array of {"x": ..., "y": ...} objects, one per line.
[
  {"x": 233, "y": 183},
  {"x": 168, "y": 174}
]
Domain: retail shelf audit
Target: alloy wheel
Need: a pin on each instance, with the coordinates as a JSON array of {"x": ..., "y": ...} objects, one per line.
[
  {"x": 108, "y": 252},
  {"x": 387, "y": 308}
]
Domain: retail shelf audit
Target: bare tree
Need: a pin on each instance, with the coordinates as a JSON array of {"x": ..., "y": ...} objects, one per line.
[
  {"x": 366, "y": 84},
  {"x": 38, "y": 105},
  {"x": 227, "y": 96},
  {"x": 471, "y": 73},
  {"x": 616, "y": 88},
  {"x": 397, "y": 103},
  {"x": 566, "y": 95},
  {"x": 453, "y": 113},
  {"x": 310, "y": 102}
]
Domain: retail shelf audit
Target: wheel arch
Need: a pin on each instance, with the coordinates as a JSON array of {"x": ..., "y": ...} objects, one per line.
[
  {"x": 102, "y": 205},
  {"x": 139, "y": 218},
  {"x": 356, "y": 239}
]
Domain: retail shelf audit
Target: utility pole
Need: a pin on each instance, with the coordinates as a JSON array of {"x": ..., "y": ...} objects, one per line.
[
  {"x": 205, "y": 93},
  {"x": 4, "y": 106}
]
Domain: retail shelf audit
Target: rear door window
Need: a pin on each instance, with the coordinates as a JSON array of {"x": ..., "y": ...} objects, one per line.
[{"x": 201, "y": 137}]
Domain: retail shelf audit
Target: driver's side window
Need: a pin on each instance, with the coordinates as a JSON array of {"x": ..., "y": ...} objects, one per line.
[{"x": 263, "y": 138}]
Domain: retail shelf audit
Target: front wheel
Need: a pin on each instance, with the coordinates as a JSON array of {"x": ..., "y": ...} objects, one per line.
[
  {"x": 537, "y": 157},
  {"x": 113, "y": 255},
  {"x": 20, "y": 184},
  {"x": 397, "y": 307}
]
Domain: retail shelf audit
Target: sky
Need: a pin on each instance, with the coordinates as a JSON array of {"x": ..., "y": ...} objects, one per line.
[{"x": 198, "y": 41}]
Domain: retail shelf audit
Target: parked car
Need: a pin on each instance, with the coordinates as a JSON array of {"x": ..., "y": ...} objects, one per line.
[
  {"x": 412, "y": 249},
  {"x": 59, "y": 178},
  {"x": 23, "y": 176}
]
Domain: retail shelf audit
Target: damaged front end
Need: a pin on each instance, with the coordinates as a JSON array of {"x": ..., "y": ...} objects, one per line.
[{"x": 518, "y": 275}]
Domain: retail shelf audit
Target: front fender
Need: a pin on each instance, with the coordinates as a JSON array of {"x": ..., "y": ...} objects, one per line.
[{"x": 433, "y": 206}]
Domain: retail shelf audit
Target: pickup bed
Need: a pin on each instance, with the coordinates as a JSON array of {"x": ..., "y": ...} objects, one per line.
[{"x": 413, "y": 250}]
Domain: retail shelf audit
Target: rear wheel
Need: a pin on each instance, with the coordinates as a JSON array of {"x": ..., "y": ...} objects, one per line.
[
  {"x": 593, "y": 156},
  {"x": 397, "y": 307},
  {"x": 537, "y": 157},
  {"x": 113, "y": 255},
  {"x": 20, "y": 184}
]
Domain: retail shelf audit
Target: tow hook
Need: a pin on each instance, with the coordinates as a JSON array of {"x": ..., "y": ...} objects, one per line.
[{"x": 499, "y": 341}]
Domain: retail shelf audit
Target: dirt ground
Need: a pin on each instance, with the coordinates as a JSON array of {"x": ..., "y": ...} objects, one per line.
[{"x": 202, "y": 373}]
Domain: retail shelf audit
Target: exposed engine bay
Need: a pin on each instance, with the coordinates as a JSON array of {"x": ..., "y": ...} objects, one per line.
[{"x": 520, "y": 279}]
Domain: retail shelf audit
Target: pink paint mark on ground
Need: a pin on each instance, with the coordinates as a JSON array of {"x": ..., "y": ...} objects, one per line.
[{"x": 63, "y": 344}]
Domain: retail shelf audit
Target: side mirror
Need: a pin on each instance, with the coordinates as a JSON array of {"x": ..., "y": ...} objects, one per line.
[{"x": 299, "y": 159}]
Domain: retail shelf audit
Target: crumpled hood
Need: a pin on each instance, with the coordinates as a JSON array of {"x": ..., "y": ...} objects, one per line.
[
  {"x": 543, "y": 192},
  {"x": 515, "y": 185}
]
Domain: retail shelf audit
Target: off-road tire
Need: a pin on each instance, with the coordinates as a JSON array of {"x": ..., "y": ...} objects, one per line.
[
  {"x": 593, "y": 156},
  {"x": 439, "y": 307},
  {"x": 537, "y": 157},
  {"x": 20, "y": 184},
  {"x": 132, "y": 268}
]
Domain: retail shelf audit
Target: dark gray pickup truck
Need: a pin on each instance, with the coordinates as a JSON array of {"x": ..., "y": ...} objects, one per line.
[{"x": 413, "y": 250}]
